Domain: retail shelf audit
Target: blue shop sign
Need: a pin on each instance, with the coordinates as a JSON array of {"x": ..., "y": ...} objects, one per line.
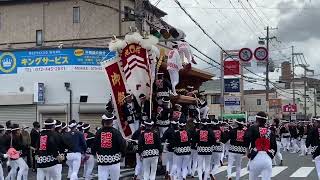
[{"x": 10, "y": 62}]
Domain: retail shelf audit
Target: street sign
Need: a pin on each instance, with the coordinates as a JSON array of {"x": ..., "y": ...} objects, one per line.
[
  {"x": 275, "y": 103},
  {"x": 245, "y": 54},
  {"x": 232, "y": 101},
  {"x": 290, "y": 108},
  {"x": 231, "y": 68},
  {"x": 261, "y": 53},
  {"x": 293, "y": 117},
  {"x": 232, "y": 85}
]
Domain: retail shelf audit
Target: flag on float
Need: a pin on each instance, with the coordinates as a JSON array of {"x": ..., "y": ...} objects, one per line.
[
  {"x": 136, "y": 69},
  {"x": 118, "y": 90}
]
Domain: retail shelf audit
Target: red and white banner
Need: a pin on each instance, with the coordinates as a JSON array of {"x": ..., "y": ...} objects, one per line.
[
  {"x": 136, "y": 69},
  {"x": 231, "y": 68},
  {"x": 290, "y": 108},
  {"x": 118, "y": 88}
]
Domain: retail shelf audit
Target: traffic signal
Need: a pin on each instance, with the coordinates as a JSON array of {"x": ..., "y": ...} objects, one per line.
[{"x": 167, "y": 34}]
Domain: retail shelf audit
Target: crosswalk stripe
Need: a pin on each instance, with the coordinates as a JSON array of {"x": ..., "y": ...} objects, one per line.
[
  {"x": 243, "y": 172},
  {"x": 221, "y": 169},
  {"x": 302, "y": 172},
  {"x": 277, "y": 170}
]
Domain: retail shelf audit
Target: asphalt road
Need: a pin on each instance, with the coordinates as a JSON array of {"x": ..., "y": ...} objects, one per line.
[{"x": 294, "y": 167}]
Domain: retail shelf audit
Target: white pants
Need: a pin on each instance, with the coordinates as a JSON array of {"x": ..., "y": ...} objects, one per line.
[
  {"x": 179, "y": 168},
  {"x": 204, "y": 112},
  {"x": 295, "y": 145},
  {"x": 109, "y": 171},
  {"x": 88, "y": 168},
  {"x": 285, "y": 143},
  {"x": 162, "y": 130},
  {"x": 74, "y": 162},
  {"x": 216, "y": 156},
  {"x": 13, "y": 171},
  {"x": 1, "y": 172},
  {"x": 204, "y": 162},
  {"x": 192, "y": 166},
  {"x": 174, "y": 77},
  {"x": 169, "y": 161},
  {"x": 134, "y": 126},
  {"x": 59, "y": 170},
  {"x": 261, "y": 164},
  {"x": 138, "y": 168},
  {"x": 237, "y": 159},
  {"x": 23, "y": 169},
  {"x": 226, "y": 149},
  {"x": 317, "y": 162},
  {"x": 303, "y": 147},
  {"x": 278, "y": 154},
  {"x": 49, "y": 173},
  {"x": 150, "y": 167}
]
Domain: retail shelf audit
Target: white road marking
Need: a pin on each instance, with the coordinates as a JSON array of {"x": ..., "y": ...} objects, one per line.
[
  {"x": 221, "y": 169},
  {"x": 277, "y": 170},
  {"x": 243, "y": 172},
  {"x": 302, "y": 172}
]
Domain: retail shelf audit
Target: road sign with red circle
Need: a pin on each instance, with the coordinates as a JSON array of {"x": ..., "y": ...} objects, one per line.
[
  {"x": 261, "y": 53},
  {"x": 245, "y": 54}
]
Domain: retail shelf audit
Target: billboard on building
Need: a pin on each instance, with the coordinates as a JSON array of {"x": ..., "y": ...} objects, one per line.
[
  {"x": 275, "y": 103},
  {"x": 52, "y": 60}
]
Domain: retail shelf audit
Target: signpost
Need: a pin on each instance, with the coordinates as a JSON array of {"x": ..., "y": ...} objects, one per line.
[
  {"x": 292, "y": 108},
  {"x": 231, "y": 68},
  {"x": 232, "y": 104},
  {"x": 261, "y": 53},
  {"x": 245, "y": 54},
  {"x": 232, "y": 85}
]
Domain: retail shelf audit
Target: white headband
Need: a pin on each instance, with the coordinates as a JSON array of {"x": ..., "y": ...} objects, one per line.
[
  {"x": 104, "y": 117},
  {"x": 73, "y": 125},
  {"x": 84, "y": 128},
  {"x": 52, "y": 123},
  {"x": 266, "y": 118}
]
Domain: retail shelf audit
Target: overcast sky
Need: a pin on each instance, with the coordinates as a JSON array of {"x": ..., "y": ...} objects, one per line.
[{"x": 297, "y": 22}]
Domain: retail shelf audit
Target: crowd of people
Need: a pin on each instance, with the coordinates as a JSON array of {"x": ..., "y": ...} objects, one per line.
[
  {"x": 179, "y": 137},
  {"x": 195, "y": 149}
]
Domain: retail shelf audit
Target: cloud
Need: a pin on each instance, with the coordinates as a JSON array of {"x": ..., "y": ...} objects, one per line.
[{"x": 298, "y": 25}]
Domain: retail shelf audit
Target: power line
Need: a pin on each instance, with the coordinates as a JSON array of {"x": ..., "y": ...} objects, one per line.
[
  {"x": 260, "y": 19},
  {"x": 274, "y": 84},
  {"x": 269, "y": 22},
  {"x": 249, "y": 15},
  {"x": 234, "y": 8}
]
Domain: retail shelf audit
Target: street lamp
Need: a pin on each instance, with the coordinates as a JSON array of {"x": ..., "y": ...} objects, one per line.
[{"x": 67, "y": 85}]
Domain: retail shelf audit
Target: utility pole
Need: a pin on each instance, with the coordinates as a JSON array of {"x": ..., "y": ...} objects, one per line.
[
  {"x": 305, "y": 92},
  {"x": 140, "y": 14},
  {"x": 293, "y": 85},
  {"x": 267, "y": 39},
  {"x": 315, "y": 101}
]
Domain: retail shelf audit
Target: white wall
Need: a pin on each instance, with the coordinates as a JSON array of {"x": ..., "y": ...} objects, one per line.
[{"x": 93, "y": 84}]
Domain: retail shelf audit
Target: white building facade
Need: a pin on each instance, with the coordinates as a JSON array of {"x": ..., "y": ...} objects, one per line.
[{"x": 60, "y": 45}]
